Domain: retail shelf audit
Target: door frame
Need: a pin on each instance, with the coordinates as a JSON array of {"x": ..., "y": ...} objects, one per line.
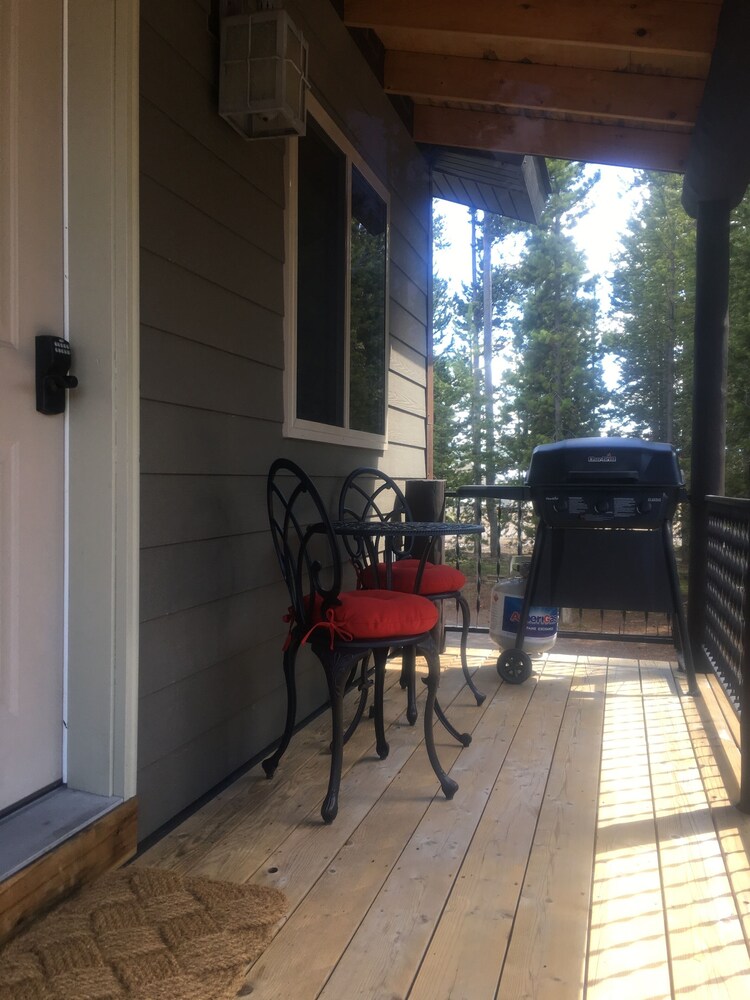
[{"x": 102, "y": 495}]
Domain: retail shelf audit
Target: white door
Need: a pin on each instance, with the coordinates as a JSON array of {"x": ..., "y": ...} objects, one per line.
[{"x": 32, "y": 446}]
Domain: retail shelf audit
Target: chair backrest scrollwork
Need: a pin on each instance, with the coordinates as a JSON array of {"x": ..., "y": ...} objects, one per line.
[
  {"x": 303, "y": 539},
  {"x": 370, "y": 495}
]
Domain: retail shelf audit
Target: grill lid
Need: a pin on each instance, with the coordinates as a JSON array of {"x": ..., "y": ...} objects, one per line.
[{"x": 599, "y": 461}]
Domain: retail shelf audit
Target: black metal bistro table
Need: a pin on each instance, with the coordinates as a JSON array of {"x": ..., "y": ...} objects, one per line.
[
  {"x": 372, "y": 532},
  {"x": 382, "y": 542}
]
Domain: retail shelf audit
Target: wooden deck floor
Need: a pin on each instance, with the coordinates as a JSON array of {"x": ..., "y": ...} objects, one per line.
[{"x": 592, "y": 849}]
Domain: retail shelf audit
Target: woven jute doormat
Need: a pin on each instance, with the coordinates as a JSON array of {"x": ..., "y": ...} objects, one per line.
[{"x": 143, "y": 934}]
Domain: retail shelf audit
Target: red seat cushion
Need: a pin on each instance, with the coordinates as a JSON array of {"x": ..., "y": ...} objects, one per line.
[
  {"x": 436, "y": 578},
  {"x": 378, "y": 614}
]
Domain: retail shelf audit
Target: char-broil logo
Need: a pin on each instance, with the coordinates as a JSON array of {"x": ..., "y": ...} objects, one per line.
[{"x": 609, "y": 457}]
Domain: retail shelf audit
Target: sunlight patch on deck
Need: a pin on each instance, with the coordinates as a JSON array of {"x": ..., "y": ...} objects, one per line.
[
  {"x": 627, "y": 942},
  {"x": 707, "y": 946}
]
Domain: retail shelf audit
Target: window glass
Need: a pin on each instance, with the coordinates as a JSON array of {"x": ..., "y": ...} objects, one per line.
[
  {"x": 336, "y": 383},
  {"x": 367, "y": 308},
  {"x": 321, "y": 278}
]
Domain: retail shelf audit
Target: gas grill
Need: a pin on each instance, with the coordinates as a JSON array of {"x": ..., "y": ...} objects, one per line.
[
  {"x": 604, "y": 533},
  {"x": 605, "y": 483}
]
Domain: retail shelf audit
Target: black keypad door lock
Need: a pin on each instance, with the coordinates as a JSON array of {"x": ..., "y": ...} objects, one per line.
[{"x": 53, "y": 359}]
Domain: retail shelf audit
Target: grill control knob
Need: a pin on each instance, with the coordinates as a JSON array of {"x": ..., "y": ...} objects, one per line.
[
  {"x": 644, "y": 506},
  {"x": 601, "y": 506}
]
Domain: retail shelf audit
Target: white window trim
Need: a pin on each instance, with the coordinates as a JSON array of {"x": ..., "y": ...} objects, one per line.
[{"x": 293, "y": 426}]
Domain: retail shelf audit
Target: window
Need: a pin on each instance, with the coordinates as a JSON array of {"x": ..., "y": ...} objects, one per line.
[{"x": 337, "y": 291}]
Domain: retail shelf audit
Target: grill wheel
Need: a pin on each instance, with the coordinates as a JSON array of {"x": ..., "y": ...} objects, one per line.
[{"x": 514, "y": 666}]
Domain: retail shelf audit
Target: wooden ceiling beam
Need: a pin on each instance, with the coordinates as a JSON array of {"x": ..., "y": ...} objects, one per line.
[
  {"x": 624, "y": 96},
  {"x": 646, "y": 149},
  {"x": 659, "y": 25},
  {"x": 533, "y": 51}
]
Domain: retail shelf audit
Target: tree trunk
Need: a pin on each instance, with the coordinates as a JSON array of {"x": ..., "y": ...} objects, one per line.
[
  {"x": 476, "y": 366},
  {"x": 489, "y": 384}
]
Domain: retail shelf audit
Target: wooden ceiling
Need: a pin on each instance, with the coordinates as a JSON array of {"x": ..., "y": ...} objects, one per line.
[{"x": 607, "y": 81}]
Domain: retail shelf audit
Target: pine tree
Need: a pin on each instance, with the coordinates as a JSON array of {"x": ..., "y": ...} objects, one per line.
[
  {"x": 451, "y": 380},
  {"x": 654, "y": 299},
  {"x": 467, "y": 339},
  {"x": 557, "y": 390}
]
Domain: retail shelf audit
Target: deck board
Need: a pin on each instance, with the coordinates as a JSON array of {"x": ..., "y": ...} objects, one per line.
[
  {"x": 707, "y": 946},
  {"x": 467, "y": 951},
  {"x": 591, "y": 851},
  {"x": 627, "y": 951},
  {"x": 414, "y": 896},
  {"x": 718, "y": 759},
  {"x": 547, "y": 953}
]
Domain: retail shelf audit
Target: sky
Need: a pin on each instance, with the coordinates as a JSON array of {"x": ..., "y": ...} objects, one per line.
[{"x": 597, "y": 235}]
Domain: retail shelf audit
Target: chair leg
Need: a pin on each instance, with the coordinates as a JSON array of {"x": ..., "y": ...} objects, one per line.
[
  {"x": 364, "y": 687},
  {"x": 381, "y": 744},
  {"x": 409, "y": 667},
  {"x": 404, "y": 677},
  {"x": 463, "y": 604},
  {"x": 463, "y": 738},
  {"x": 409, "y": 681},
  {"x": 290, "y": 656},
  {"x": 429, "y": 650},
  {"x": 336, "y": 669}
]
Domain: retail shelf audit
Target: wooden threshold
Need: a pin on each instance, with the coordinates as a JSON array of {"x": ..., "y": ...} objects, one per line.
[{"x": 105, "y": 843}]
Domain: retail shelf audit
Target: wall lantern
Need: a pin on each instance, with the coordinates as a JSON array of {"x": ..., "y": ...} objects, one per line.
[{"x": 263, "y": 71}]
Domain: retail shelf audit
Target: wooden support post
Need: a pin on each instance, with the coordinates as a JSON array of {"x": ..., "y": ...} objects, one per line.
[
  {"x": 709, "y": 398},
  {"x": 426, "y": 499}
]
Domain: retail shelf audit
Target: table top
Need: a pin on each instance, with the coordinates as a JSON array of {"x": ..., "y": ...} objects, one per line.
[{"x": 385, "y": 529}]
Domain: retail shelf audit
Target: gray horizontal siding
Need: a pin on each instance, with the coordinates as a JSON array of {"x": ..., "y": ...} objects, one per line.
[
  {"x": 406, "y": 395},
  {"x": 176, "y": 577},
  {"x": 191, "y": 641},
  {"x": 409, "y": 260},
  {"x": 406, "y": 328},
  {"x": 189, "y": 508},
  {"x": 178, "y": 714},
  {"x": 187, "y": 771},
  {"x": 178, "y": 231},
  {"x": 187, "y": 441},
  {"x": 179, "y": 301},
  {"x": 174, "y": 159},
  {"x": 182, "y": 25},
  {"x": 408, "y": 295},
  {"x": 408, "y": 363},
  {"x": 184, "y": 372},
  {"x": 171, "y": 84},
  {"x": 212, "y": 364},
  {"x": 403, "y": 428},
  {"x": 401, "y": 460}
]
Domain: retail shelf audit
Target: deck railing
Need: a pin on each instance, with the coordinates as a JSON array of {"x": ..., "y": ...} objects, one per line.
[
  {"x": 726, "y": 633},
  {"x": 725, "y": 637}
]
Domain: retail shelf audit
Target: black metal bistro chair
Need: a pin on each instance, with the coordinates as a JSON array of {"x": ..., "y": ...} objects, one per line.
[
  {"x": 370, "y": 495},
  {"x": 341, "y": 627}
]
